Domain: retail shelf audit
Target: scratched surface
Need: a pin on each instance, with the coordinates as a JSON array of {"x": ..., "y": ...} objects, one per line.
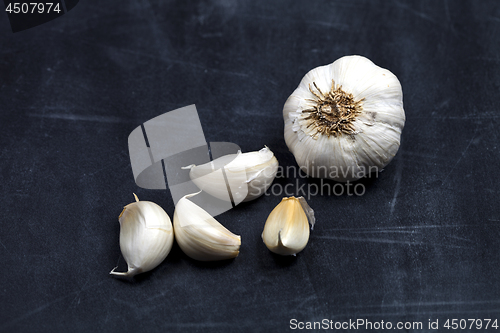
[{"x": 421, "y": 243}]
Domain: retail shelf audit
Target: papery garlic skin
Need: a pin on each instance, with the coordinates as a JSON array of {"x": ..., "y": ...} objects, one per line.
[
  {"x": 286, "y": 231},
  {"x": 200, "y": 236},
  {"x": 366, "y": 140},
  {"x": 247, "y": 175},
  {"x": 146, "y": 237}
]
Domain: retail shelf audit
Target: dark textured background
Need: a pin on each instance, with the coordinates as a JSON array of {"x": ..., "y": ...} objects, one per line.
[{"x": 422, "y": 243}]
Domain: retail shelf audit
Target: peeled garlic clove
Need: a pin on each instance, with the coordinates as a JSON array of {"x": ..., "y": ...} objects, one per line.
[
  {"x": 200, "y": 236},
  {"x": 246, "y": 176},
  {"x": 286, "y": 231},
  {"x": 146, "y": 236},
  {"x": 344, "y": 120}
]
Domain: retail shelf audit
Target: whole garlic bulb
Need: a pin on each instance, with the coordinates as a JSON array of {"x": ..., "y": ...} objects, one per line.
[
  {"x": 286, "y": 231},
  {"x": 146, "y": 236},
  {"x": 345, "y": 119},
  {"x": 200, "y": 236},
  {"x": 247, "y": 175}
]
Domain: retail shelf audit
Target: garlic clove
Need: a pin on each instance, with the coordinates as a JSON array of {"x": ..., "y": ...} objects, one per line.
[
  {"x": 209, "y": 177},
  {"x": 345, "y": 119},
  {"x": 146, "y": 236},
  {"x": 246, "y": 176},
  {"x": 259, "y": 167},
  {"x": 200, "y": 236},
  {"x": 286, "y": 231}
]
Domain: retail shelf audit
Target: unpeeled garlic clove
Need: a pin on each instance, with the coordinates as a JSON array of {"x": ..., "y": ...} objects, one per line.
[
  {"x": 146, "y": 236},
  {"x": 200, "y": 236},
  {"x": 246, "y": 176},
  {"x": 286, "y": 231}
]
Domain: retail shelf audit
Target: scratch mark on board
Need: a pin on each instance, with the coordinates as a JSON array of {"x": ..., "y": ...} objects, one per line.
[
  {"x": 461, "y": 156},
  {"x": 45, "y": 306},
  {"x": 3, "y": 245},
  {"x": 389, "y": 241},
  {"x": 76, "y": 117},
  {"x": 416, "y": 227},
  {"x": 399, "y": 172},
  {"x": 415, "y": 12}
]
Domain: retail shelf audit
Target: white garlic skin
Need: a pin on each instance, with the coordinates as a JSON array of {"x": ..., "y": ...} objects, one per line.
[
  {"x": 200, "y": 236},
  {"x": 248, "y": 175},
  {"x": 286, "y": 231},
  {"x": 377, "y": 128},
  {"x": 146, "y": 237}
]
